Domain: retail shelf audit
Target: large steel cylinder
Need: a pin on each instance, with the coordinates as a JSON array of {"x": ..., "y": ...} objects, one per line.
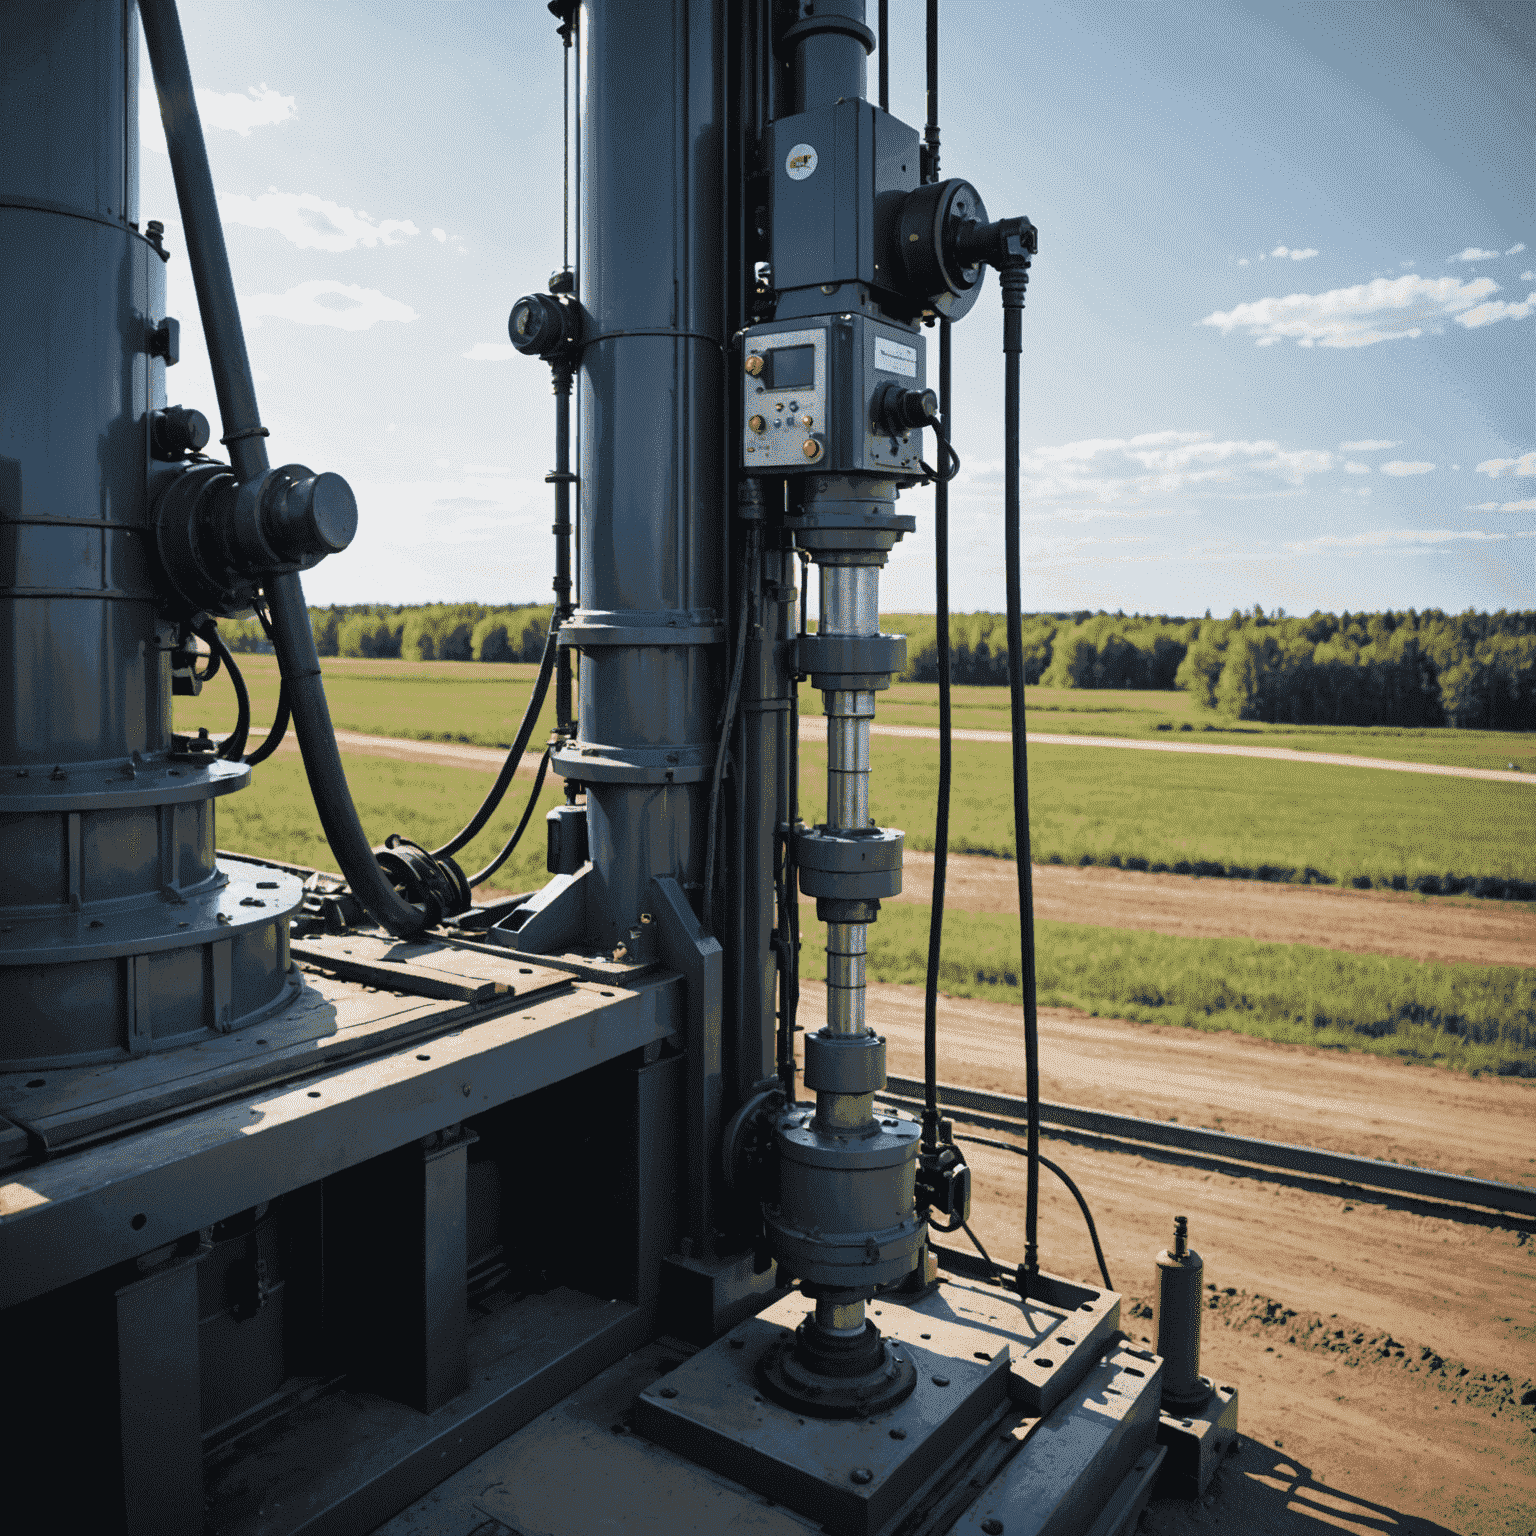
[
  {"x": 649, "y": 620},
  {"x": 119, "y": 933}
]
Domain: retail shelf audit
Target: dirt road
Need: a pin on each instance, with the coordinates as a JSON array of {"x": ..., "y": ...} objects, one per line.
[
  {"x": 814, "y": 728},
  {"x": 1364, "y": 922},
  {"x": 1340, "y": 1432}
]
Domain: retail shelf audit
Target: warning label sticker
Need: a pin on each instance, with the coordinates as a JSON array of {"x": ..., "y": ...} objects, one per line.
[{"x": 893, "y": 357}]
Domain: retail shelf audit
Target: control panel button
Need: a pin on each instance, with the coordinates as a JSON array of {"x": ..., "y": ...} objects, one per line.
[
  {"x": 811, "y": 448},
  {"x": 806, "y": 421},
  {"x": 754, "y": 365},
  {"x": 756, "y": 423}
]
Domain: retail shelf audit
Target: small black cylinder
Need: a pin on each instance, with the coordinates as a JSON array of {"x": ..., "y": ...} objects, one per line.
[{"x": 1180, "y": 1276}]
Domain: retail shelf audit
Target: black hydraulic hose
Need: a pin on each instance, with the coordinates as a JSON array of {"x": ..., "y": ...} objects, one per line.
[
  {"x": 244, "y": 436},
  {"x": 946, "y": 759},
  {"x": 279, "y": 728},
  {"x": 204, "y": 234},
  {"x": 883, "y": 26},
  {"x": 482, "y": 875},
  {"x": 1065, "y": 1177},
  {"x": 280, "y": 719},
  {"x": 965, "y": 1227},
  {"x": 562, "y": 478},
  {"x": 472, "y": 828},
  {"x": 295, "y": 644},
  {"x": 931, "y": 130},
  {"x": 233, "y": 745},
  {"x": 727, "y": 725},
  {"x": 1013, "y": 280}
]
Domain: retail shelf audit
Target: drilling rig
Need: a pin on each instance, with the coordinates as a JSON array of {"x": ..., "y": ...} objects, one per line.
[{"x": 318, "y": 1186}]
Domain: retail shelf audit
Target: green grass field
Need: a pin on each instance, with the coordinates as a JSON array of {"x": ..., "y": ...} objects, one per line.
[
  {"x": 1474, "y": 1017},
  {"x": 1481, "y": 1018},
  {"x": 1087, "y": 805},
  {"x": 482, "y": 702},
  {"x": 275, "y": 818}
]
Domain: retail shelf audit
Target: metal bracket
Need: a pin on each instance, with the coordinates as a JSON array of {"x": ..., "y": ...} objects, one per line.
[{"x": 685, "y": 947}]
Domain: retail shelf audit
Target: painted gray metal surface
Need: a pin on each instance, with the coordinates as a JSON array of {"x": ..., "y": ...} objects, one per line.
[
  {"x": 1073, "y": 1462},
  {"x": 1427, "y": 1183},
  {"x": 69, "y": 1218},
  {"x": 651, "y": 508},
  {"x": 113, "y": 910},
  {"x": 853, "y": 1475}
]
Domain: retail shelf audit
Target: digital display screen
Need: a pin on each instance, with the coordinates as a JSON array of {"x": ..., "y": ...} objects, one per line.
[{"x": 791, "y": 368}]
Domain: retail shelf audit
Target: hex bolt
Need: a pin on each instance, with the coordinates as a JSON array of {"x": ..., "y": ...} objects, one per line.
[
  {"x": 992, "y": 1527},
  {"x": 861, "y": 1475},
  {"x": 1180, "y": 1236}
]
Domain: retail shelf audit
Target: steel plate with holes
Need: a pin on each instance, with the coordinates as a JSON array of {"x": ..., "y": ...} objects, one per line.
[
  {"x": 1078, "y": 1456},
  {"x": 851, "y": 1475}
]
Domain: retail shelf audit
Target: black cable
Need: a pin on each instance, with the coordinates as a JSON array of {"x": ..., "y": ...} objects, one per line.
[
  {"x": 506, "y": 852},
  {"x": 930, "y": 152},
  {"x": 946, "y": 760},
  {"x": 279, "y": 729},
  {"x": 245, "y": 437},
  {"x": 1065, "y": 1177},
  {"x": 1013, "y": 281},
  {"x": 727, "y": 725},
  {"x": 883, "y": 23},
  {"x": 965, "y": 1227},
  {"x": 280, "y": 719},
  {"x": 476, "y": 823},
  {"x": 233, "y": 745}
]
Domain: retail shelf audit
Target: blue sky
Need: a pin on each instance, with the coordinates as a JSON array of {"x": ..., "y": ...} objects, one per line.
[{"x": 1279, "y": 336}]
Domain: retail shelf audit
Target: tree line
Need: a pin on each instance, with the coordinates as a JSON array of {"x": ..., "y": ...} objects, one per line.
[
  {"x": 1410, "y": 668},
  {"x": 1413, "y": 668},
  {"x": 421, "y": 632}
]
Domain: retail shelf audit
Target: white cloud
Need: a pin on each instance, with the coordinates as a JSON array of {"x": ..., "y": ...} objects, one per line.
[
  {"x": 321, "y": 302},
  {"x": 1357, "y": 469},
  {"x": 1524, "y": 465},
  {"x": 1406, "y": 467},
  {"x": 1144, "y": 470},
  {"x": 1515, "y": 250},
  {"x": 1528, "y": 277},
  {"x": 238, "y": 112},
  {"x": 491, "y": 352},
  {"x": 312, "y": 222},
  {"x": 1387, "y": 538},
  {"x": 1368, "y": 445},
  {"x": 1282, "y": 251},
  {"x": 440, "y": 235},
  {"x": 1472, "y": 253},
  {"x": 1529, "y": 505},
  {"x": 1381, "y": 310},
  {"x": 1242, "y": 261},
  {"x": 500, "y": 470},
  {"x": 1497, "y": 309}
]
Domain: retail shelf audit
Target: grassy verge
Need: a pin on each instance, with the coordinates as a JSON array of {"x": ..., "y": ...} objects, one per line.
[
  {"x": 1243, "y": 816},
  {"x": 1478, "y": 1018},
  {"x": 481, "y": 703},
  {"x": 275, "y": 818}
]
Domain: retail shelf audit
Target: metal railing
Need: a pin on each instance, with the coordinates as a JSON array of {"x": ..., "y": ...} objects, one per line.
[{"x": 1003, "y": 1112}]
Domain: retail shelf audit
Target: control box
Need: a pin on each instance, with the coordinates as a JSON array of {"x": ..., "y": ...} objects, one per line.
[{"x": 811, "y": 393}]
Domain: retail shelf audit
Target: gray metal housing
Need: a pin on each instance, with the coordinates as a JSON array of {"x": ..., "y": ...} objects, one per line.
[{"x": 119, "y": 931}]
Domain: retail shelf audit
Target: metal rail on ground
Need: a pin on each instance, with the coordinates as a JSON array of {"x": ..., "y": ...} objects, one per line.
[{"x": 1005, "y": 1112}]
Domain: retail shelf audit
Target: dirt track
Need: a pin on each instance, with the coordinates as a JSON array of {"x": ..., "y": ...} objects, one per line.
[
  {"x": 1370, "y": 1442},
  {"x": 1365, "y": 922}
]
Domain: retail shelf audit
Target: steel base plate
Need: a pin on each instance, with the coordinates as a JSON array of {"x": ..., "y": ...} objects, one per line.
[{"x": 852, "y": 1475}]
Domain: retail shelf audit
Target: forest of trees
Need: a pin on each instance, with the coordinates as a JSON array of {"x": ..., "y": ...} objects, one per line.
[{"x": 1473, "y": 670}]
